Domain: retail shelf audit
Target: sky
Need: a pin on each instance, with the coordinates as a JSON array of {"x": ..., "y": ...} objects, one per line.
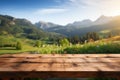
[{"x": 59, "y": 11}]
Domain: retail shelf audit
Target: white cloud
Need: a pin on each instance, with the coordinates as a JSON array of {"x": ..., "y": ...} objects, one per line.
[
  {"x": 104, "y": 6},
  {"x": 72, "y": 0},
  {"x": 75, "y": 10},
  {"x": 50, "y": 11},
  {"x": 58, "y": 1},
  {"x": 96, "y": 3},
  {"x": 80, "y": 3}
]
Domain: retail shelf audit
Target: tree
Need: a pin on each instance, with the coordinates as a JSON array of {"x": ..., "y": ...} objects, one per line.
[
  {"x": 110, "y": 35},
  {"x": 19, "y": 45},
  {"x": 64, "y": 42},
  {"x": 38, "y": 43},
  {"x": 92, "y": 35},
  {"x": 76, "y": 39}
]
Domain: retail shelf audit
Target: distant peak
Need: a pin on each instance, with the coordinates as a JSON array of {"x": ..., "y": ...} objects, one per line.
[
  {"x": 103, "y": 19},
  {"x": 102, "y": 16},
  {"x": 86, "y": 20},
  {"x": 42, "y": 22}
]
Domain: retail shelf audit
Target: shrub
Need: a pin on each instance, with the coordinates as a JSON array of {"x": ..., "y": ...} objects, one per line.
[
  {"x": 19, "y": 46},
  {"x": 38, "y": 43},
  {"x": 64, "y": 42}
]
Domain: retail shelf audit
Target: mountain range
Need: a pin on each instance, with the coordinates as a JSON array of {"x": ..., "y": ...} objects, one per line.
[
  {"x": 103, "y": 25},
  {"x": 24, "y": 28}
]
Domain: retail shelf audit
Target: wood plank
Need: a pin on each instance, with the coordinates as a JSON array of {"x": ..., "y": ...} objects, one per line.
[
  {"x": 67, "y": 60},
  {"x": 32, "y": 67},
  {"x": 58, "y": 65},
  {"x": 59, "y": 55},
  {"x": 92, "y": 67}
]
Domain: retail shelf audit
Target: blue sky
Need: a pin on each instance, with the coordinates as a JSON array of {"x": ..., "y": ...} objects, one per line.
[{"x": 59, "y": 11}]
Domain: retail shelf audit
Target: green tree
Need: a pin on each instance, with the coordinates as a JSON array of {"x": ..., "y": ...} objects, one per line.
[
  {"x": 19, "y": 45},
  {"x": 92, "y": 35},
  {"x": 110, "y": 35},
  {"x": 75, "y": 40},
  {"x": 38, "y": 43},
  {"x": 64, "y": 42}
]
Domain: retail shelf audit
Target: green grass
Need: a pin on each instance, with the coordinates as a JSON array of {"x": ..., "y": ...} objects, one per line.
[
  {"x": 98, "y": 47},
  {"x": 93, "y": 47},
  {"x": 48, "y": 49},
  {"x": 111, "y": 45},
  {"x": 26, "y": 48}
]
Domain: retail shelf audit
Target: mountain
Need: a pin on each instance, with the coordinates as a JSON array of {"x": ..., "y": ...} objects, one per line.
[
  {"x": 102, "y": 25},
  {"x": 77, "y": 24},
  {"x": 46, "y": 25},
  {"x": 102, "y": 20},
  {"x": 22, "y": 28}
]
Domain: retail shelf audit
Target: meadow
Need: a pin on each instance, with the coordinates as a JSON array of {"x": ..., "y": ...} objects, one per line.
[{"x": 111, "y": 45}]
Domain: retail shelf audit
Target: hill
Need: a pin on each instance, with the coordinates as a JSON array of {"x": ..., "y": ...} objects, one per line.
[
  {"x": 46, "y": 25},
  {"x": 112, "y": 39},
  {"x": 23, "y": 28}
]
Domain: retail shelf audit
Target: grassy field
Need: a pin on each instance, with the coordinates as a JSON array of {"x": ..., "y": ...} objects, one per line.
[
  {"x": 111, "y": 45},
  {"x": 26, "y": 48},
  {"x": 95, "y": 47}
]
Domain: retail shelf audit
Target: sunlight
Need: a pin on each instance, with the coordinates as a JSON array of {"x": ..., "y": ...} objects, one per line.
[{"x": 112, "y": 7}]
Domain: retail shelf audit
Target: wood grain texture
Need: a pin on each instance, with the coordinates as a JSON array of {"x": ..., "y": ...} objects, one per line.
[{"x": 59, "y": 65}]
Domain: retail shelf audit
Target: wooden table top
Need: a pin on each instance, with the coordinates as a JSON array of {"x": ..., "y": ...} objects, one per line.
[{"x": 59, "y": 65}]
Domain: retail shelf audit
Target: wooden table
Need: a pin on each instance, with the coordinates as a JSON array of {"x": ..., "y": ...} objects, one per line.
[{"x": 20, "y": 66}]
